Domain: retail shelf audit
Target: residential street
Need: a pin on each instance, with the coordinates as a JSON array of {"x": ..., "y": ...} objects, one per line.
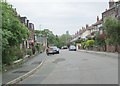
[
  {"x": 60, "y": 44},
  {"x": 76, "y": 67}
]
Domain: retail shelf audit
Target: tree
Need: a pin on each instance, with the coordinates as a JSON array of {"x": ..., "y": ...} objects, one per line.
[
  {"x": 13, "y": 32},
  {"x": 64, "y": 38},
  {"x": 51, "y": 39},
  {"x": 99, "y": 40},
  {"x": 112, "y": 31}
]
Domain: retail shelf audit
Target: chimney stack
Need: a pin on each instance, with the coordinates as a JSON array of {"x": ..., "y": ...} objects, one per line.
[
  {"x": 111, "y": 3},
  {"x": 97, "y": 18},
  {"x": 86, "y": 26}
]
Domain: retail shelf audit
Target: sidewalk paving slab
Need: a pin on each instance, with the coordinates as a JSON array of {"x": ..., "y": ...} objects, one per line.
[
  {"x": 110, "y": 54},
  {"x": 24, "y": 69}
]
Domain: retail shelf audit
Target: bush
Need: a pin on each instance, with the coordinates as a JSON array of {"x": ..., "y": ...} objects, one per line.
[
  {"x": 9, "y": 55},
  {"x": 39, "y": 47},
  {"x": 83, "y": 46},
  {"x": 29, "y": 52},
  {"x": 89, "y": 44},
  {"x": 9, "y": 59},
  {"x": 12, "y": 54},
  {"x": 20, "y": 54}
]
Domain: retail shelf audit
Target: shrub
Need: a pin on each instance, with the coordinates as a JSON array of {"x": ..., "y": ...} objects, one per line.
[
  {"x": 10, "y": 55},
  {"x": 29, "y": 52},
  {"x": 83, "y": 45},
  {"x": 39, "y": 47},
  {"x": 20, "y": 53},
  {"x": 13, "y": 54},
  {"x": 89, "y": 43}
]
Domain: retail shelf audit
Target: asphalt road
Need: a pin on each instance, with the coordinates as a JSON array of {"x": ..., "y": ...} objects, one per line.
[{"x": 75, "y": 67}]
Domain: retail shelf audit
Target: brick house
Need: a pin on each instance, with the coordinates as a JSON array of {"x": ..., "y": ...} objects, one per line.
[
  {"x": 25, "y": 43},
  {"x": 113, "y": 11},
  {"x": 31, "y": 39}
]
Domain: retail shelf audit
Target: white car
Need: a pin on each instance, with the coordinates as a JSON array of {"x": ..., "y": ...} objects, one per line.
[{"x": 72, "y": 48}]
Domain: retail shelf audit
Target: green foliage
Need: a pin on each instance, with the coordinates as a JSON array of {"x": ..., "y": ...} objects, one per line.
[
  {"x": 39, "y": 47},
  {"x": 52, "y": 39},
  {"x": 83, "y": 45},
  {"x": 19, "y": 53},
  {"x": 47, "y": 33},
  {"x": 64, "y": 38},
  {"x": 12, "y": 54},
  {"x": 112, "y": 30},
  {"x": 13, "y": 31},
  {"x": 89, "y": 43},
  {"x": 99, "y": 41},
  {"x": 29, "y": 52}
]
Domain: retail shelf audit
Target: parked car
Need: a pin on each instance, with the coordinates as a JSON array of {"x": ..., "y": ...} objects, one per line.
[
  {"x": 56, "y": 49},
  {"x": 52, "y": 50},
  {"x": 64, "y": 47},
  {"x": 72, "y": 48}
]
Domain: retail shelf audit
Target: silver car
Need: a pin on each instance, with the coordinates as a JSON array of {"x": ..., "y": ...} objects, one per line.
[{"x": 72, "y": 48}]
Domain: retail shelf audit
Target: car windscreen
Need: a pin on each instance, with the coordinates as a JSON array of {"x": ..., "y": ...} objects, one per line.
[
  {"x": 72, "y": 47},
  {"x": 54, "y": 48}
]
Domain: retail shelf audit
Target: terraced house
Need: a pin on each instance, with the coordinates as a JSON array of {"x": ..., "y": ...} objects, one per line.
[
  {"x": 31, "y": 40},
  {"x": 90, "y": 30}
]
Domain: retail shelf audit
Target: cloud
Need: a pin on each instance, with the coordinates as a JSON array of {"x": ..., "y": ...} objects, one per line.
[{"x": 60, "y": 15}]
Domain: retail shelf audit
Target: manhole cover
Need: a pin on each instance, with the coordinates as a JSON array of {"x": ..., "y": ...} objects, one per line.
[
  {"x": 59, "y": 60},
  {"x": 36, "y": 62},
  {"x": 20, "y": 71}
]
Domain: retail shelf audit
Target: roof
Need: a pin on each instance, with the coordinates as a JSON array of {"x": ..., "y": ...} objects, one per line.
[
  {"x": 90, "y": 27},
  {"x": 98, "y": 22}
]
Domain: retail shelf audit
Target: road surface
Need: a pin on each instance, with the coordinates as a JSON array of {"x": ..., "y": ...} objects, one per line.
[{"x": 75, "y": 67}]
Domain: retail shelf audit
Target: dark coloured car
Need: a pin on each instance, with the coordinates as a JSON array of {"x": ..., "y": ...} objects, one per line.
[{"x": 72, "y": 48}]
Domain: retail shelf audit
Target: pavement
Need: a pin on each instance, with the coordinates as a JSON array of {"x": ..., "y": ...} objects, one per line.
[
  {"x": 27, "y": 69},
  {"x": 108, "y": 54}
]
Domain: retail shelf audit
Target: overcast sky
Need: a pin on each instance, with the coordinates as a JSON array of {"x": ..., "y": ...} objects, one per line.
[{"x": 60, "y": 15}]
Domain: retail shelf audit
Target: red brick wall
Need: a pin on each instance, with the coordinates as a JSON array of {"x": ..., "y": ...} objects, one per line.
[
  {"x": 118, "y": 48},
  {"x": 31, "y": 34},
  {"x": 110, "y": 48}
]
